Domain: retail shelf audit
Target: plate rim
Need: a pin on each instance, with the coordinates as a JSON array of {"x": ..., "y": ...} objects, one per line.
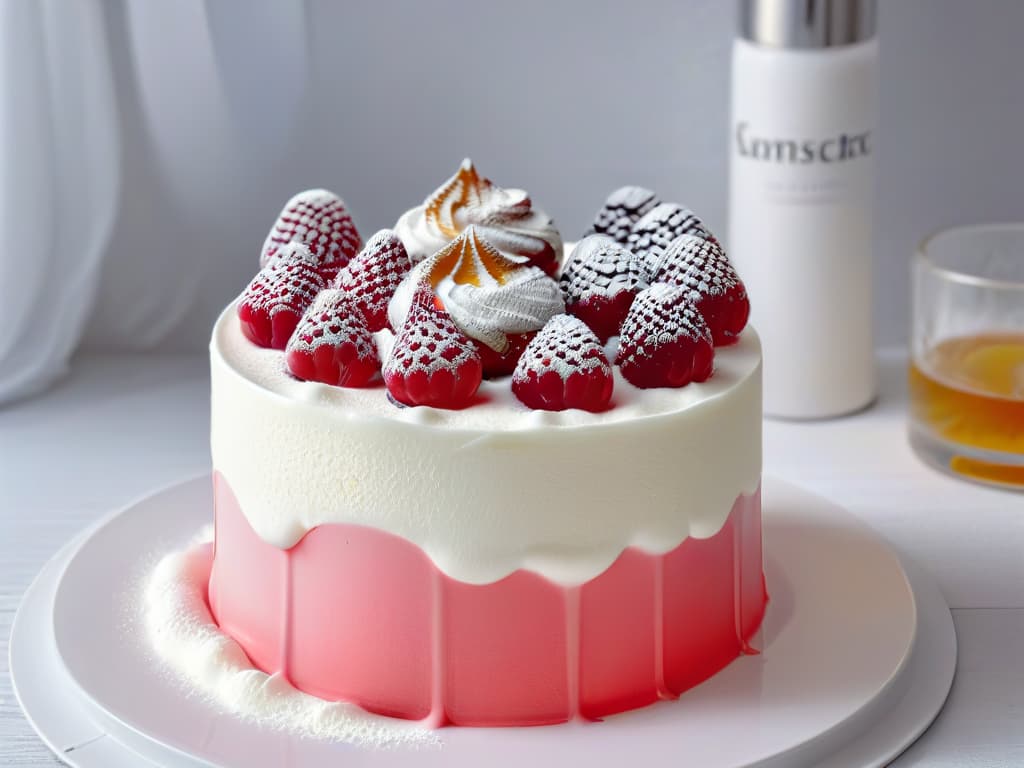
[{"x": 60, "y": 561}]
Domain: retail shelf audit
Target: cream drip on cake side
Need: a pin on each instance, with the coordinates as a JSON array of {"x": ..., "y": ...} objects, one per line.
[{"x": 488, "y": 489}]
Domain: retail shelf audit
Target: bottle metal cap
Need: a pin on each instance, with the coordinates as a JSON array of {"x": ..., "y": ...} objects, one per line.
[{"x": 807, "y": 23}]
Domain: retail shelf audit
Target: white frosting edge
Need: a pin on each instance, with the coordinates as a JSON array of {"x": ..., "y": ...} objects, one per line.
[
  {"x": 496, "y": 493},
  {"x": 186, "y": 638}
]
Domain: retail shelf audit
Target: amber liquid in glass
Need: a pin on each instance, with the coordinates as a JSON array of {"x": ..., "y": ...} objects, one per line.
[{"x": 969, "y": 391}]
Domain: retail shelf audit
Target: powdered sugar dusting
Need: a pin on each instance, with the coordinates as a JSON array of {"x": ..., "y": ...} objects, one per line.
[
  {"x": 599, "y": 283},
  {"x": 599, "y": 265},
  {"x": 331, "y": 320},
  {"x": 429, "y": 341},
  {"x": 656, "y": 230},
  {"x": 317, "y": 218},
  {"x": 699, "y": 265},
  {"x": 185, "y": 636},
  {"x": 289, "y": 281},
  {"x": 622, "y": 209},
  {"x": 374, "y": 274},
  {"x": 564, "y": 345},
  {"x": 660, "y": 315},
  {"x": 665, "y": 340}
]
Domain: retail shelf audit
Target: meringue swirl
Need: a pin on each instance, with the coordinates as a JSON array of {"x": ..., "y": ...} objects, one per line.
[
  {"x": 505, "y": 218},
  {"x": 486, "y": 293}
]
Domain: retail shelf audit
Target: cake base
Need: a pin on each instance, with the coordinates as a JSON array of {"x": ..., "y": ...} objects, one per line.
[
  {"x": 355, "y": 614},
  {"x": 823, "y": 692}
]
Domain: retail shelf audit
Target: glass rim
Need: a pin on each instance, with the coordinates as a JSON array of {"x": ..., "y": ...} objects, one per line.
[{"x": 966, "y": 278}]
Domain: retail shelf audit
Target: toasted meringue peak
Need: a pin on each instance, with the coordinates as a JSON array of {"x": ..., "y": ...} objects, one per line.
[
  {"x": 506, "y": 218},
  {"x": 469, "y": 260},
  {"x": 487, "y": 294},
  {"x": 469, "y": 197}
]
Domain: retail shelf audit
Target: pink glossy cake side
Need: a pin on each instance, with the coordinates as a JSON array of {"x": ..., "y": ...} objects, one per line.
[{"x": 355, "y": 613}]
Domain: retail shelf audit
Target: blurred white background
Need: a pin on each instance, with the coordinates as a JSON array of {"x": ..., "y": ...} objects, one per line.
[{"x": 147, "y": 147}]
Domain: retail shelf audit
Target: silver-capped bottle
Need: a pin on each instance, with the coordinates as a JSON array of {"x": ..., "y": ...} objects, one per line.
[{"x": 804, "y": 89}]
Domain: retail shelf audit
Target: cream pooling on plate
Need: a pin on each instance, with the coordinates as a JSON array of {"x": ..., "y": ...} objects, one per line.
[
  {"x": 505, "y": 218},
  {"x": 176, "y": 616}
]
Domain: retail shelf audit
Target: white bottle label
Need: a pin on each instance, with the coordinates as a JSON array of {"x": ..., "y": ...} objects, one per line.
[
  {"x": 814, "y": 182},
  {"x": 801, "y": 170}
]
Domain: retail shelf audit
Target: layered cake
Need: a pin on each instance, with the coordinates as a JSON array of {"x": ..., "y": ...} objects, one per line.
[{"x": 459, "y": 481}]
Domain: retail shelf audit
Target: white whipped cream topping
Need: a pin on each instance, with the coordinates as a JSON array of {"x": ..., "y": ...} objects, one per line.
[
  {"x": 486, "y": 295},
  {"x": 505, "y": 217},
  {"x": 185, "y": 636},
  {"x": 493, "y": 487}
]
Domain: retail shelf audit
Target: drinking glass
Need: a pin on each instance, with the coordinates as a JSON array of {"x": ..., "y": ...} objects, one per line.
[{"x": 967, "y": 353}]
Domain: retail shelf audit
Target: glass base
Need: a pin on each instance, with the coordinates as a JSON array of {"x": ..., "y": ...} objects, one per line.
[{"x": 992, "y": 468}]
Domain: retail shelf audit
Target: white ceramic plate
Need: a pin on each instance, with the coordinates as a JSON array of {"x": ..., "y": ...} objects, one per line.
[{"x": 858, "y": 657}]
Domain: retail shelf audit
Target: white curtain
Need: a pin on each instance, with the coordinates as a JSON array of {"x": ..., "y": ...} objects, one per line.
[
  {"x": 108, "y": 174},
  {"x": 59, "y": 171}
]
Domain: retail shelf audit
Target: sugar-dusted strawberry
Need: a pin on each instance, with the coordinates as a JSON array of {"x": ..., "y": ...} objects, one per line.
[
  {"x": 702, "y": 267},
  {"x": 432, "y": 362},
  {"x": 564, "y": 367},
  {"x": 497, "y": 364},
  {"x": 600, "y": 282},
  {"x": 274, "y": 301},
  {"x": 318, "y": 218},
  {"x": 373, "y": 275},
  {"x": 665, "y": 341},
  {"x": 623, "y": 208},
  {"x": 332, "y": 343},
  {"x": 656, "y": 229}
]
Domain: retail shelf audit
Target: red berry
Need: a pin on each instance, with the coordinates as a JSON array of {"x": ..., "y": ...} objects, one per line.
[
  {"x": 332, "y": 343},
  {"x": 702, "y": 267},
  {"x": 656, "y": 229},
  {"x": 600, "y": 282},
  {"x": 497, "y": 364},
  {"x": 318, "y": 219},
  {"x": 274, "y": 301},
  {"x": 373, "y": 275},
  {"x": 564, "y": 367},
  {"x": 665, "y": 341},
  {"x": 432, "y": 363},
  {"x": 623, "y": 208}
]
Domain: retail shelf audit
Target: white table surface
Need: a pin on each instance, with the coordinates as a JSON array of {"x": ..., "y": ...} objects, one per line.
[{"x": 121, "y": 426}]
